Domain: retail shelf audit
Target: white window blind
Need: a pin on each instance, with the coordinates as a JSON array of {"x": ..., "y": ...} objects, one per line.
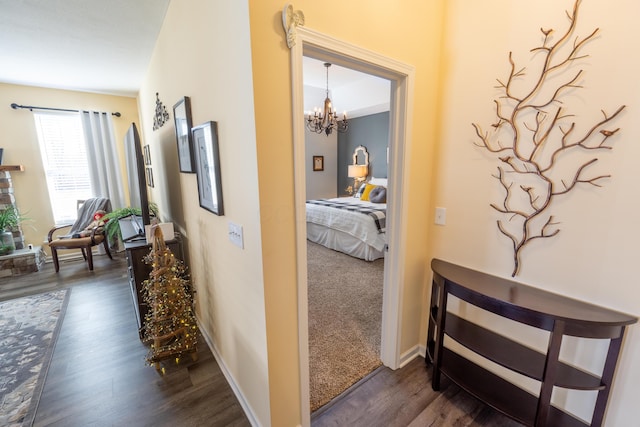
[{"x": 64, "y": 158}]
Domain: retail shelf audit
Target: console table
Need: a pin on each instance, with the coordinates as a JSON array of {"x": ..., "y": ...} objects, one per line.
[
  {"x": 531, "y": 306},
  {"x": 139, "y": 271}
]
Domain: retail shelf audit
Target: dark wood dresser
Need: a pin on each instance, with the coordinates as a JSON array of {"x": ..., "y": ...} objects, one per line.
[
  {"x": 139, "y": 271},
  {"x": 559, "y": 315}
]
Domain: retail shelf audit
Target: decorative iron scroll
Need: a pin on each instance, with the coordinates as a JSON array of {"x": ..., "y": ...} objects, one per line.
[{"x": 161, "y": 116}]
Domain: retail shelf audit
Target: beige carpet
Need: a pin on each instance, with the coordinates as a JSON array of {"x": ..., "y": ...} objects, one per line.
[{"x": 345, "y": 314}]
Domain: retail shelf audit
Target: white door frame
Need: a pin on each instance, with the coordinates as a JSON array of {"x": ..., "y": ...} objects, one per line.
[{"x": 319, "y": 46}]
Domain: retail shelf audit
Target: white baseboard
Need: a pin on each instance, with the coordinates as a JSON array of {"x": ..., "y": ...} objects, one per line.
[
  {"x": 412, "y": 353},
  {"x": 229, "y": 377}
]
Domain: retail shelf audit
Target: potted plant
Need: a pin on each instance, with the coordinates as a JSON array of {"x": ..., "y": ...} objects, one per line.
[
  {"x": 10, "y": 219},
  {"x": 111, "y": 226}
]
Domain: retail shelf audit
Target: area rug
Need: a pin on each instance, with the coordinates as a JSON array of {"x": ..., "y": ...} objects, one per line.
[
  {"x": 29, "y": 327},
  {"x": 345, "y": 316}
]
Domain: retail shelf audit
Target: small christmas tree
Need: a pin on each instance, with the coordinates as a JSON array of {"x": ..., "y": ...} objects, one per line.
[{"x": 170, "y": 323}]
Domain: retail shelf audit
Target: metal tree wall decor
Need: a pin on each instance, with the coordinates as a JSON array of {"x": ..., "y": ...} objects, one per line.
[{"x": 543, "y": 152}]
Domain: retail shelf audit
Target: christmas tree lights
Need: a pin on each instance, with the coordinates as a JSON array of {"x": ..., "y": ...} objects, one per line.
[{"x": 170, "y": 325}]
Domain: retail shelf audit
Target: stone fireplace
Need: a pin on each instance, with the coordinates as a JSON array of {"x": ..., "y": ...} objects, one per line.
[
  {"x": 25, "y": 259},
  {"x": 7, "y": 199}
]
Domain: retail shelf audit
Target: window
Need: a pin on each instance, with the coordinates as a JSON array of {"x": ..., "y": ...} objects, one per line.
[{"x": 64, "y": 158}]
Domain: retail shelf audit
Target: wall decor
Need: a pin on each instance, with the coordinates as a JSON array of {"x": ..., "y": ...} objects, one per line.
[
  {"x": 182, "y": 120},
  {"x": 161, "y": 116},
  {"x": 207, "y": 160},
  {"x": 148, "y": 173},
  {"x": 359, "y": 169},
  {"x": 291, "y": 19},
  {"x": 535, "y": 137},
  {"x": 146, "y": 155},
  {"x": 318, "y": 163}
]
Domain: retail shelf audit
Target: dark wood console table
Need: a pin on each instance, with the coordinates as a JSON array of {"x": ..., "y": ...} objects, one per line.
[
  {"x": 534, "y": 307},
  {"x": 139, "y": 271}
]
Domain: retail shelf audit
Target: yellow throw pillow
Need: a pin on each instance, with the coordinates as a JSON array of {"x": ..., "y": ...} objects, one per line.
[{"x": 367, "y": 190}]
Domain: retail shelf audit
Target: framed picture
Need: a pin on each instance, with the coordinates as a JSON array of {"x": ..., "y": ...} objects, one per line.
[
  {"x": 146, "y": 154},
  {"x": 149, "y": 175},
  {"x": 318, "y": 163},
  {"x": 207, "y": 163},
  {"x": 182, "y": 120}
]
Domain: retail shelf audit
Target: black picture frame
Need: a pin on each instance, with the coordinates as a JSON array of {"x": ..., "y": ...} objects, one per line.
[
  {"x": 184, "y": 138},
  {"x": 146, "y": 155},
  {"x": 318, "y": 163},
  {"x": 148, "y": 172},
  {"x": 207, "y": 163}
]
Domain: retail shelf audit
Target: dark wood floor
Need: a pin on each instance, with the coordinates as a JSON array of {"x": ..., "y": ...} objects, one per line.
[
  {"x": 98, "y": 377},
  {"x": 404, "y": 398}
]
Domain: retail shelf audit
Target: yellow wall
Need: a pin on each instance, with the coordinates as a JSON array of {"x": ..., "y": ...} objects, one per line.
[
  {"x": 593, "y": 257},
  {"x": 231, "y": 59},
  {"x": 20, "y": 143},
  {"x": 409, "y": 32},
  {"x": 247, "y": 300}
]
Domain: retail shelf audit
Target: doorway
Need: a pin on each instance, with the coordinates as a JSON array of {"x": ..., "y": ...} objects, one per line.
[
  {"x": 345, "y": 264},
  {"x": 321, "y": 47}
]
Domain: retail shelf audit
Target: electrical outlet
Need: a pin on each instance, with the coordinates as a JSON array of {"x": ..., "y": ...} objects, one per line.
[
  {"x": 441, "y": 216},
  {"x": 235, "y": 235}
]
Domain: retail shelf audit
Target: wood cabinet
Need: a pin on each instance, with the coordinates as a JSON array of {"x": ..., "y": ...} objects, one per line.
[
  {"x": 559, "y": 315},
  {"x": 139, "y": 271}
]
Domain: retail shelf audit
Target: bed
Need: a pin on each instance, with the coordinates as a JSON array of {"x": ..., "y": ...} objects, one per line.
[{"x": 348, "y": 224}]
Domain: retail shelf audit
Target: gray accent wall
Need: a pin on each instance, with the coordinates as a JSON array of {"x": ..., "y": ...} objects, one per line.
[
  {"x": 321, "y": 184},
  {"x": 373, "y": 133}
]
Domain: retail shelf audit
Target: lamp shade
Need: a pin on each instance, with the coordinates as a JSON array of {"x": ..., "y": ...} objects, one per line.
[{"x": 357, "y": 171}]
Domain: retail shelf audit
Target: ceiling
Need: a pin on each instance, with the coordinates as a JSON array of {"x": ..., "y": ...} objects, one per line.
[
  {"x": 351, "y": 91},
  {"x": 105, "y": 46},
  {"x": 99, "y": 46}
]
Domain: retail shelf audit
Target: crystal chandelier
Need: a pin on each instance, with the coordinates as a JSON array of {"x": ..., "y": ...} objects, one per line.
[{"x": 327, "y": 120}]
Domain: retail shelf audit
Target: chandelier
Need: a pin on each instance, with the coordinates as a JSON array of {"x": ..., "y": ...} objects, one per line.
[{"x": 326, "y": 120}]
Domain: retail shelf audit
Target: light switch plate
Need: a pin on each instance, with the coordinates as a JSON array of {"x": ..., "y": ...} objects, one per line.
[
  {"x": 441, "y": 216},
  {"x": 235, "y": 235}
]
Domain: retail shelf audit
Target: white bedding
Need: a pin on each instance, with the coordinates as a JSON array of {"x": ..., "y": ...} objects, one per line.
[{"x": 350, "y": 232}]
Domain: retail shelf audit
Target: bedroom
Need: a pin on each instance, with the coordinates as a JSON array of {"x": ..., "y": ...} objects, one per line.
[{"x": 365, "y": 100}]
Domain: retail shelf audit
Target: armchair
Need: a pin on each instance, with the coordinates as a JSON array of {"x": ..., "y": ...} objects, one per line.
[{"x": 81, "y": 236}]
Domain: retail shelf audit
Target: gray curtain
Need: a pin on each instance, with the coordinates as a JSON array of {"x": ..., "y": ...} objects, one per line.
[{"x": 102, "y": 154}]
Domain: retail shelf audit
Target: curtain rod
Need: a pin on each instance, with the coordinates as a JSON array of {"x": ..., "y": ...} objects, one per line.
[{"x": 31, "y": 108}]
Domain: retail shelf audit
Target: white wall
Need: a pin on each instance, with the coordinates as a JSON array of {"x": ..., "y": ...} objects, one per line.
[
  {"x": 593, "y": 257},
  {"x": 203, "y": 51},
  {"x": 373, "y": 94}
]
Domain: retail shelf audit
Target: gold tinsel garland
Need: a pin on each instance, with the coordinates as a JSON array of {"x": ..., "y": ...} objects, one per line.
[{"x": 170, "y": 324}]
